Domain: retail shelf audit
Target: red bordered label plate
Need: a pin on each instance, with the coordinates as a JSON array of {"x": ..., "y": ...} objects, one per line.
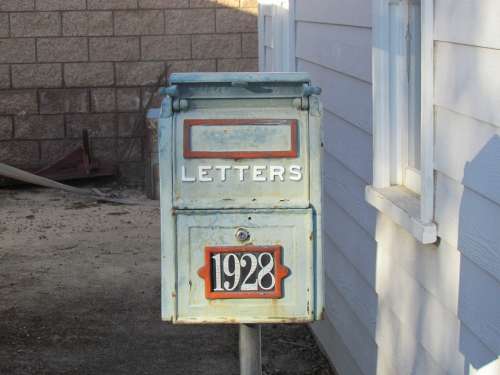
[{"x": 243, "y": 272}]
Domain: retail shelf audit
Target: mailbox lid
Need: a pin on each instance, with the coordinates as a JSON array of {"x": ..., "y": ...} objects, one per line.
[
  {"x": 291, "y": 229},
  {"x": 239, "y": 85},
  {"x": 241, "y": 158}
]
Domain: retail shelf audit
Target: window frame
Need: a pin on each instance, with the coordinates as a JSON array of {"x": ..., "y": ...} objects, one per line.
[{"x": 415, "y": 212}]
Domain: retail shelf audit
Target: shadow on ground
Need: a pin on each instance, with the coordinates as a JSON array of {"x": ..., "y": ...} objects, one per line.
[{"x": 79, "y": 286}]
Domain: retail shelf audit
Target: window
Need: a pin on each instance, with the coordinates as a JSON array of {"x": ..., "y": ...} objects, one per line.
[
  {"x": 403, "y": 113},
  {"x": 404, "y": 93}
]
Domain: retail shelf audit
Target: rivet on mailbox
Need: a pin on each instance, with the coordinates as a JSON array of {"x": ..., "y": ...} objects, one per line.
[{"x": 240, "y": 165}]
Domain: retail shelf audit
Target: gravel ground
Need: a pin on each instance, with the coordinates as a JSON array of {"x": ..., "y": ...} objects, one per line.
[{"x": 80, "y": 294}]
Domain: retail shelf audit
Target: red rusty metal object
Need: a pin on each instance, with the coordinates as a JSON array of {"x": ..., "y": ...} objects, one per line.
[{"x": 79, "y": 163}]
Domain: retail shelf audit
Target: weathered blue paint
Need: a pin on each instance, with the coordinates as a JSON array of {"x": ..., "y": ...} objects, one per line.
[{"x": 206, "y": 209}]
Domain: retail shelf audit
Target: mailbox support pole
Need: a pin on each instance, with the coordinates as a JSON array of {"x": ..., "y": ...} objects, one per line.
[{"x": 250, "y": 350}]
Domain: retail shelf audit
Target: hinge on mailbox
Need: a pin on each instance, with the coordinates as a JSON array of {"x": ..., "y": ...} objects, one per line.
[
  {"x": 179, "y": 105},
  {"x": 302, "y": 103}
]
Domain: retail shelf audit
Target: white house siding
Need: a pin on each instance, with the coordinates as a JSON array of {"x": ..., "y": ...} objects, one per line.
[{"x": 395, "y": 306}]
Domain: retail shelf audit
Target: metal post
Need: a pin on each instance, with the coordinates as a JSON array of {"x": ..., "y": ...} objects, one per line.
[{"x": 250, "y": 351}]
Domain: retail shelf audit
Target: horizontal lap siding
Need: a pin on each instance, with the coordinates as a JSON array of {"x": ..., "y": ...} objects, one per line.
[
  {"x": 348, "y": 52},
  {"x": 338, "y": 57},
  {"x": 335, "y": 12},
  {"x": 467, "y": 160},
  {"x": 389, "y": 297},
  {"x": 343, "y": 95}
]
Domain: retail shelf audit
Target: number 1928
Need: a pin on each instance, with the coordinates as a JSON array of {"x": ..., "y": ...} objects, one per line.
[{"x": 243, "y": 272}]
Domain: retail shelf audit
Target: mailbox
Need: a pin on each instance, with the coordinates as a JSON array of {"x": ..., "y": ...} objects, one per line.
[{"x": 240, "y": 190}]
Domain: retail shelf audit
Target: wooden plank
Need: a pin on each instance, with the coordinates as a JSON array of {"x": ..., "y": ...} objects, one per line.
[
  {"x": 478, "y": 355},
  {"x": 344, "y": 49},
  {"x": 468, "y": 151},
  {"x": 348, "y": 190},
  {"x": 353, "y": 333},
  {"x": 350, "y": 145},
  {"x": 436, "y": 269},
  {"x": 350, "y": 238},
  {"x": 421, "y": 314},
  {"x": 469, "y": 222},
  {"x": 467, "y": 81},
  {"x": 341, "y": 12},
  {"x": 402, "y": 350},
  {"x": 347, "y": 97},
  {"x": 468, "y": 22},
  {"x": 479, "y": 305},
  {"x": 358, "y": 293},
  {"x": 335, "y": 348},
  {"x": 459, "y": 139}
]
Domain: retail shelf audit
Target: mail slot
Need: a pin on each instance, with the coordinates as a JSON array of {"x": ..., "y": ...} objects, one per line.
[{"x": 240, "y": 190}]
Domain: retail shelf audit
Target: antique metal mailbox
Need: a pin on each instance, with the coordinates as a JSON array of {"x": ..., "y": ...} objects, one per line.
[{"x": 240, "y": 175}]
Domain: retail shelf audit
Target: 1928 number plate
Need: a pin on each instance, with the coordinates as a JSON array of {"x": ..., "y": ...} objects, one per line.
[{"x": 243, "y": 272}]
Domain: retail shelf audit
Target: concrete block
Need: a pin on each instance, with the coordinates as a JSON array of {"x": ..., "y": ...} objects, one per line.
[
  {"x": 36, "y": 75},
  {"x": 250, "y": 45},
  {"x": 202, "y": 3},
  {"x": 114, "y": 49},
  {"x": 60, "y": 4},
  {"x": 103, "y": 100},
  {"x": 130, "y": 124},
  {"x": 20, "y": 102},
  {"x": 35, "y": 24},
  {"x": 88, "y": 74},
  {"x": 216, "y": 45},
  {"x": 163, "y": 4},
  {"x": 237, "y": 65},
  {"x": 17, "y": 50},
  {"x": 98, "y": 125},
  {"x": 62, "y": 49},
  {"x": 236, "y": 20},
  {"x": 180, "y": 66},
  {"x": 111, "y": 4},
  {"x": 249, "y": 3},
  {"x": 228, "y": 3},
  {"x": 39, "y": 127},
  {"x": 4, "y": 77},
  {"x": 52, "y": 150},
  {"x": 132, "y": 173},
  {"x": 104, "y": 148},
  {"x": 6, "y": 129},
  {"x": 143, "y": 22},
  {"x": 64, "y": 101},
  {"x": 130, "y": 149},
  {"x": 16, "y": 5},
  {"x": 190, "y": 21},
  {"x": 19, "y": 153},
  {"x": 128, "y": 100},
  {"x": 139, "y": 73},
  {"x": 95, "y": 23},
  {"x": 166, "y": 47},
  {"x": 4, "y": 25}
]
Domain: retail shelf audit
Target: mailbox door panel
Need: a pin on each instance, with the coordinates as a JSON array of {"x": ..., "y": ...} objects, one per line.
[
  {"x": 203, "y": 234},
  {"x": 241, "y": 158}
]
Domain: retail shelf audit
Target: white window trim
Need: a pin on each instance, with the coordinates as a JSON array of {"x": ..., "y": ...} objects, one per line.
[{"x": 413, "y": 212}]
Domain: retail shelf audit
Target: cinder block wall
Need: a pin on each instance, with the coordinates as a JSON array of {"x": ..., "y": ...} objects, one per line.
[{"x": 66, "y": 65}]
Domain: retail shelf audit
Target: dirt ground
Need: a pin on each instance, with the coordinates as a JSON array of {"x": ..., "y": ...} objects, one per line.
[{"x": 80, "y": 294}]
